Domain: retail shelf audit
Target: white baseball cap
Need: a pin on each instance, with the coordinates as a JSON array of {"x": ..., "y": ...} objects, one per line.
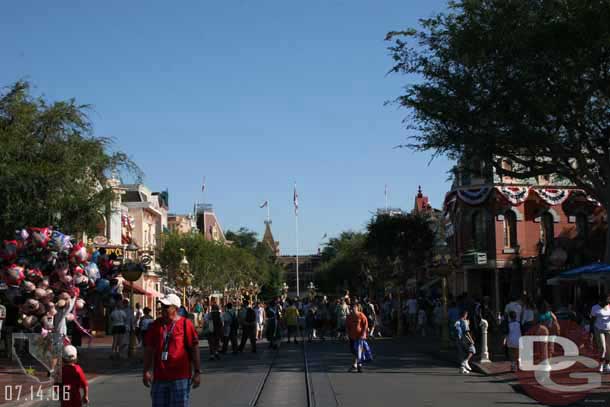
[
  {"x": 70, "y": 353},
  {"x": 171, "y": 299}
]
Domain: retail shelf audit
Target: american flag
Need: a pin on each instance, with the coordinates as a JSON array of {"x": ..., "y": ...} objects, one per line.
[{"x": 296, "y": 200}]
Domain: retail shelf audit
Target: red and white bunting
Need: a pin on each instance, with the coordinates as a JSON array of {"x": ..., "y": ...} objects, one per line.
[
  {"x": 515, "y": 195},
  {"x": 474, "y": 196},
  {"x": 553, "y": 196}
]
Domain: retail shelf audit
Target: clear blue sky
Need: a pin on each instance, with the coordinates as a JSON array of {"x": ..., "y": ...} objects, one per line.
[{"x": 254, "y": 95}]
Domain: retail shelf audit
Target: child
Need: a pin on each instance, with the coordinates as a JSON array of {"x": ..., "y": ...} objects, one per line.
[
  {"x": 512, "y": 339},
  {"x": 422, "y": 319},
  {"x": 73, "y": 380}
]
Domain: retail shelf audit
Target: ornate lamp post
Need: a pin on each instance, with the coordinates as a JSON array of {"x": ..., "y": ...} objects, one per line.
[
  {"x": 131, "y": 272},
  {"x": 443, "y": 267},
  {"x": 312, "y": 290},
  {"x": 183, "y": 278}
]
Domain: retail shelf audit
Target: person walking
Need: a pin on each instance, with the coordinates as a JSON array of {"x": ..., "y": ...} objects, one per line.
[
  {"x": 411, "y": 308},
  {"x": 600, "y": 314},
  {"x": 230, "y": 325},
  {"x": 465, "y": 342},
  {"x": 197, "y": 310},
  {"x": 528, "y": 315},
  {"x": 357, "y": 328},
  {"x": 118, "y": 321},
  {"x": 145, "y": 323},
  {"x": 137, "y": 318},
  {"x": 248, "y": 327},
  {"x": 342, "y": 313},
  {"x": 512, "y": 339},
  {"x": 259, "y": 312},
  {"x": 172, "y": 353},
  {"x": 73, "y": 380},
  {"x": 369, "y": 312},
  {"x": 215, "y": 331},
  {"x": 273, "y": 324},
  {"x": 292, "y": 321}
]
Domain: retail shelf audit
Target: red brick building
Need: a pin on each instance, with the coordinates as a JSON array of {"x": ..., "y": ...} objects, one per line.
[{"x": 510, "y": 235}]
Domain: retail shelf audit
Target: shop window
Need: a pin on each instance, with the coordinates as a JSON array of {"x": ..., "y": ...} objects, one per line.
[
  {"x": 510, "y": 230},
  {"x": 582, "y": 226},
  {"x": 478, "y": 233},
  {"x": 547, "y": 229}
]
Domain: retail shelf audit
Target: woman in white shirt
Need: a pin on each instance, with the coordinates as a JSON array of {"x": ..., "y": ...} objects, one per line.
[
  {"x": 528, "y": 315},
  {"x": 118, "y": 321},
  {"x": 601, "y": 314}
]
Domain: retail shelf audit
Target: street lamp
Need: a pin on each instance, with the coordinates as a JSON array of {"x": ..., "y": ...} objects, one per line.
[
  {"x": 285, "y": 290},
  {"x": 132, "y": 272},
  {"x": 443, "y": 267},
  {"x": 183, "y": 279}
]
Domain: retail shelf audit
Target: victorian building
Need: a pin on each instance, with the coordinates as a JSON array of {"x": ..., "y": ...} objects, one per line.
[
  {"x": 208, "y": 223},
  {"x": 181, "y": 224},
  {"x": 511, "y": 235}
]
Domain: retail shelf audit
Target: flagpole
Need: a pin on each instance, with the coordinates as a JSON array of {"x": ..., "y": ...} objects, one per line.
[
  {"x": 386, "y": 197},
  {"x": 296, "y": 222},
  {"x": 268, "y": 213}
]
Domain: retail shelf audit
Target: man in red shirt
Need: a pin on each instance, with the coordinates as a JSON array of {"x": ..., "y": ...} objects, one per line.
[{"x": 172, "y": 350}]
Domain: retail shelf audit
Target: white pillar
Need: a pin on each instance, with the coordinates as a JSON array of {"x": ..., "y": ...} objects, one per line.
[
  {"x": 484, "y": 349},
  {"x": 497, "y": 287}
]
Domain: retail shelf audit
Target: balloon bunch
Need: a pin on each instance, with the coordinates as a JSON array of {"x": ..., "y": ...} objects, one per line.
[{"x": 46, "y": 271}]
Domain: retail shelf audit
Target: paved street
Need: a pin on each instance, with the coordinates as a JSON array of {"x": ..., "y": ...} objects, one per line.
[{"x": 396, "y": 375}]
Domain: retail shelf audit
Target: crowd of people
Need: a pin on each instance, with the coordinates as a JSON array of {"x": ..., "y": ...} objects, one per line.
[{"x": 316, "y": 319}]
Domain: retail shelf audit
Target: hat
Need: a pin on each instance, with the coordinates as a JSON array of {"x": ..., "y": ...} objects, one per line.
[
  {"x": 70, "y": 353},
  {"x": 171, "y": 299}
]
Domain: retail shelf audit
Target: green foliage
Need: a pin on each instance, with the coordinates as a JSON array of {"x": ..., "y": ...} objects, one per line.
[
  {"x": 52, "y": 170},
  {"x": 525, "y": 80},
  {"x": 216, "y": 265},
  {"x": 407, "y": 239},
  {"x": 243, "y": 238},
  {"x": 343, "y": 260}
]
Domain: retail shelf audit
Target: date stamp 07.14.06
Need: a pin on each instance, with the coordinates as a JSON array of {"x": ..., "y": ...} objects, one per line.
[{"x": 19, "y": 392}]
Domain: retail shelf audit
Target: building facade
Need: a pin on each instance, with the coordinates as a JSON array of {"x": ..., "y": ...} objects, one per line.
[
  {"x": 182, "y": 224},
  {"x": 308, "y": 264},
  {"x": 208, "y": 223},
  {"x": 510, "y": 235}
]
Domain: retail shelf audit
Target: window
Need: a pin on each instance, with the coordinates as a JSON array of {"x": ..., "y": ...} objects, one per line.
[
  {"x": 582, "y": 226},
  {"x": 478, "y": 230},
  {"x": 510, "y": 230},
  {"x": 547, "y": 232}
]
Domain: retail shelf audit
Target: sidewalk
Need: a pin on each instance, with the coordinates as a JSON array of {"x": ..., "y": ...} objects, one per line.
[{"x": 94, "y": 359}]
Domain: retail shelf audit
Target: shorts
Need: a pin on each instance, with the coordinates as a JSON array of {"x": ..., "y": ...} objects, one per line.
[
  {"x": 119, "y": 330},
  {"x": 602, "y": 338},
  {"x": 175, "y": 393}
]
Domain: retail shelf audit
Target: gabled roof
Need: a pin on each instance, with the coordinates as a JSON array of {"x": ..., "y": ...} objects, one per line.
[{"x": 268, "y": 238}]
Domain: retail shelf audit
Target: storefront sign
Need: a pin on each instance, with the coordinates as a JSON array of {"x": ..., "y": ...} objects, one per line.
[{"x": 100, "y": 240}]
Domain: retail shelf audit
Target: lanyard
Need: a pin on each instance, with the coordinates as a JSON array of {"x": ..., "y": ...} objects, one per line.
[{"x": 167, "y": 336}]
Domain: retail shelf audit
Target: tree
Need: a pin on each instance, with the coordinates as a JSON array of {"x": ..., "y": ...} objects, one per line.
[
  {"x": 405, "y": 239},
  {"x": 216, "y": 265},
  {"x": 244, "y": 238},
  {"x": 52, "y": 170},
  {"x": 343, "y": 260},
  {"x": 522, "y": 80}
]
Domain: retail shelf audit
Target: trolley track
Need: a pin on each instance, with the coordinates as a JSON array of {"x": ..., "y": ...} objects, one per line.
[{"x": 287, "y": 380}]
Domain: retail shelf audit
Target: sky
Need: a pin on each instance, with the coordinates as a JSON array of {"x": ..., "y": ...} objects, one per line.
[{"x": 252, "y": 95}]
